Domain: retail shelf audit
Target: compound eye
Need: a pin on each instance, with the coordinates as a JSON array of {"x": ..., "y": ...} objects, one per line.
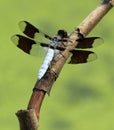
[{"x": 62, "y": 33}]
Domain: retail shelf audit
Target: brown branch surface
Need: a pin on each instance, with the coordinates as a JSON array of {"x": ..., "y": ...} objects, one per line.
[
  {"x": 44, "y": 85},
  {"x": 27, "y": 119}
]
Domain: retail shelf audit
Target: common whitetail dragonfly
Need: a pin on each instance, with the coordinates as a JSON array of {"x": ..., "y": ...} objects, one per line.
[{"x": 28, "y": 43}]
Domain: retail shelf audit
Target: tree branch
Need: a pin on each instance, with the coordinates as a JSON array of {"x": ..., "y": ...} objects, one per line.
[{"x": 28, "y": 122}]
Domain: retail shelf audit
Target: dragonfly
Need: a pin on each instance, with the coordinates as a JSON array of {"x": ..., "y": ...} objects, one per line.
[{"x": 29, "y": 42}]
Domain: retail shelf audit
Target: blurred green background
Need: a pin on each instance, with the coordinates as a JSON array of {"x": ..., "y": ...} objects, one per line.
[{"x": 82, "y": 97}]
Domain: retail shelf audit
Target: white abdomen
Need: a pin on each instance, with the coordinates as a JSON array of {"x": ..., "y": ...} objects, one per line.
[{"x": 46, "y": 63}]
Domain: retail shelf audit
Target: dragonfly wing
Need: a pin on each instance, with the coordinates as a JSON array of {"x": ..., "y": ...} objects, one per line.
[
  {"x": 31, "y": 31},
  {"x": 79, "y": 56},
  {"x": 28, "y": 45},
  {"x": 89, "y": 42}
]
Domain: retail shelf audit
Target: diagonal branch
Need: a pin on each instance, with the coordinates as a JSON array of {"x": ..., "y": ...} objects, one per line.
[{"x": 28, "y": 122}]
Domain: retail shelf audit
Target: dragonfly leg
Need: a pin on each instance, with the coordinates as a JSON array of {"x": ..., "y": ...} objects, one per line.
[{"x": 80, "y": 35}]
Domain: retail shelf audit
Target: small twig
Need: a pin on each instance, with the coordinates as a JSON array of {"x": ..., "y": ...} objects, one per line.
[{"x": 44, "y": 85}]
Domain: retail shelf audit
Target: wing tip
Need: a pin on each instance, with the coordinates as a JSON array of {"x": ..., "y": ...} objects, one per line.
[
  {"x": 22, "y": 25},
  {"x": 92, "y": 57},
  {"x": 15, "y": 39},
  {"x": 98, "y": 41}
]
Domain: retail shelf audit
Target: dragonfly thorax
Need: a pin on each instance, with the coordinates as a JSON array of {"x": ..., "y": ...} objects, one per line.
[{"x": 58, "y": 39}]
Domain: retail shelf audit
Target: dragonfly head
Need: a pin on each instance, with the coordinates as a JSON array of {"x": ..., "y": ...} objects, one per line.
[{"x": 62, "y": 33}]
